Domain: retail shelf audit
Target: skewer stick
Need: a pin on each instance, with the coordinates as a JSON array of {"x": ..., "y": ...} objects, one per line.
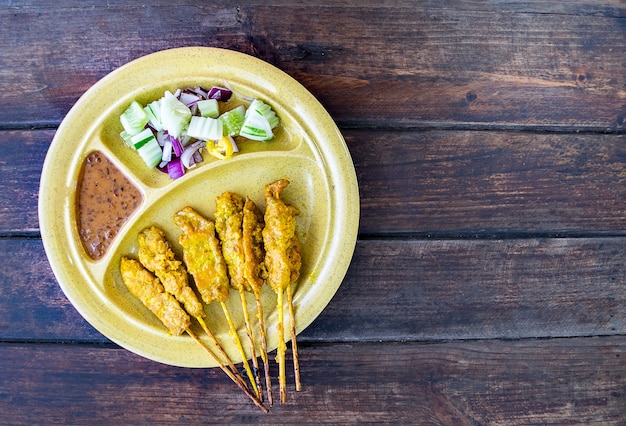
[
  {"x": 235, "y": 336},
  {"x": 294, "y": 345},
  {"x": 148, "y": 288},
  {"x": 217, "y": 345},
  {"x": 280, "y": 351},
  {"x": 266, "y": 364},
  {"x": 230, "y": 374},
  {"x": 255, "y": 361}
]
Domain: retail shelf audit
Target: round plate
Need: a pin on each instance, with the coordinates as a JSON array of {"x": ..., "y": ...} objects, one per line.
[{"x": 308, "y": 150}]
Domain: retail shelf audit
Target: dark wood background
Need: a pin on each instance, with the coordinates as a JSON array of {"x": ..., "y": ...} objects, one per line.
[{"x": 488, "y": 284}]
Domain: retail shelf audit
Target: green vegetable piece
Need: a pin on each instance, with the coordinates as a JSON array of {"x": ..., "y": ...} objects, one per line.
[
  {"x": 208, "y": 108},
  {"x": 153, "y": 110},
  {"x": 265, "y": 110},
  {"x": 205, "y": 128},
  {"x": 134, "y": 119},
  {"x": 151, "y": 153},
  {"x": 175, "y": 115},
  {"x": 126, "y": 137},
  {"x": 256, "y": 127},
  {"x": 141, "y": 138},
  {"x": 233, "y": 120}
]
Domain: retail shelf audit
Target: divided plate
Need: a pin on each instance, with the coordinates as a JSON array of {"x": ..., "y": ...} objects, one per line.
[{"x": 308, "y": 150}]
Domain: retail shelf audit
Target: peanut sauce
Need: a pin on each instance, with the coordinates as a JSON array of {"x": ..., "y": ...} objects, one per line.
[{"x": 105, "y": 200}]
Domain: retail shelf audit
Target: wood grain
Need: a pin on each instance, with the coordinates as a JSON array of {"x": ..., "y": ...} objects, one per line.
[
  {"x": 489, "y": 182},
  {"x": 540, "y": 65},
  {"x": 465, "y": 289},
  {"x": 418, "y": 290},
  {"x": 453, "y": 383},
  {"x": 20, "y": 173}
]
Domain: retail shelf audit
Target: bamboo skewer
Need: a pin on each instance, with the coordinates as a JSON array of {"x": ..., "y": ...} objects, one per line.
[
  {"x": 156, "y": 255},
  {"x": 282, "y": 261},
  {"x": 217, "y": 345},
  {"x": 203, "y": 256},
  {"x": 266, "y": 364},
  {"x": 237, "y": 379},
  {"x": 252, "y": 253},
  {"x": 235, "y": 336},
  {"x": 149, "y": 289},
  {"x": 254, "y": 256},
  {"x": 294, "y": 345},
  {"x": 255, "y": 361},
  {"x": 229, "y": 225},
  {"x": 255, "y": 248},
  {"x": 281, "y": 349}
]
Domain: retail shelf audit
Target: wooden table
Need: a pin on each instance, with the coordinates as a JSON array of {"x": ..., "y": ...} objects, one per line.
[{"x": 488, "y": 285}]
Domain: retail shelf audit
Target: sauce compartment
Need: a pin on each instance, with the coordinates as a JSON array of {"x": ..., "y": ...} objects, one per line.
[{"x": 105, "y": 199}]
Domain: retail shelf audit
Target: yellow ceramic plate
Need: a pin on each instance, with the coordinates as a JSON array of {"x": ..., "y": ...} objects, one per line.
[{"x": 308, "y": 150}]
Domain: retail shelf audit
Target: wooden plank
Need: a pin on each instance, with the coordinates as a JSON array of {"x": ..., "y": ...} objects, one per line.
[
  {"x": 34, "y": 306},
  {"x": 462, "y": 383},
  {"x": 491, "y": 66},
  {"x": 20, "y": 172},
  {"x": 445, "y": 183},
  {"x": 614, "y": 8},
  {"x": 489, "y": 182},
  {"x": 468, "y": 289},
  {"x": 416, "y": 290}
]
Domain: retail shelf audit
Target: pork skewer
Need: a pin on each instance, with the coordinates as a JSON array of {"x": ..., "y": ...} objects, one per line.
[
  {"x": 205, "y": 262},
  {"x": 283, "y": 261},
  {"x": 147, "y": 288},
  {"x": 229, "y": 228},
  {"x": 254, "y": 271},
  {"x": 156, "y": 255}
]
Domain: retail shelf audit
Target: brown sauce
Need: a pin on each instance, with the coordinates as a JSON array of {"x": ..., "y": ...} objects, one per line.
[{"x": 105, "y": 200}]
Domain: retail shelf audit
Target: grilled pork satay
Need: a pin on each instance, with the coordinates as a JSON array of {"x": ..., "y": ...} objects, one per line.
[
  {"x": 148, "y": 288},
  {"x": 228, "y": 221},
  {"x": 202, "y": 253},
  {"x": 156, "y": 255},
  {"x": 229, "y": 227},
  {"x": 254, "y": 270},
  {"x": 283, "y": 261}
]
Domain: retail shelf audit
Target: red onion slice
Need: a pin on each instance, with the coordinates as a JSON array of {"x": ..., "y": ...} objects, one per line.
[
  {"x": 175, "y": 168},
  {"x": 187, "y": 157},
  {"x": 178, "y": 148},
  {"x": 220, "y": 93}
]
